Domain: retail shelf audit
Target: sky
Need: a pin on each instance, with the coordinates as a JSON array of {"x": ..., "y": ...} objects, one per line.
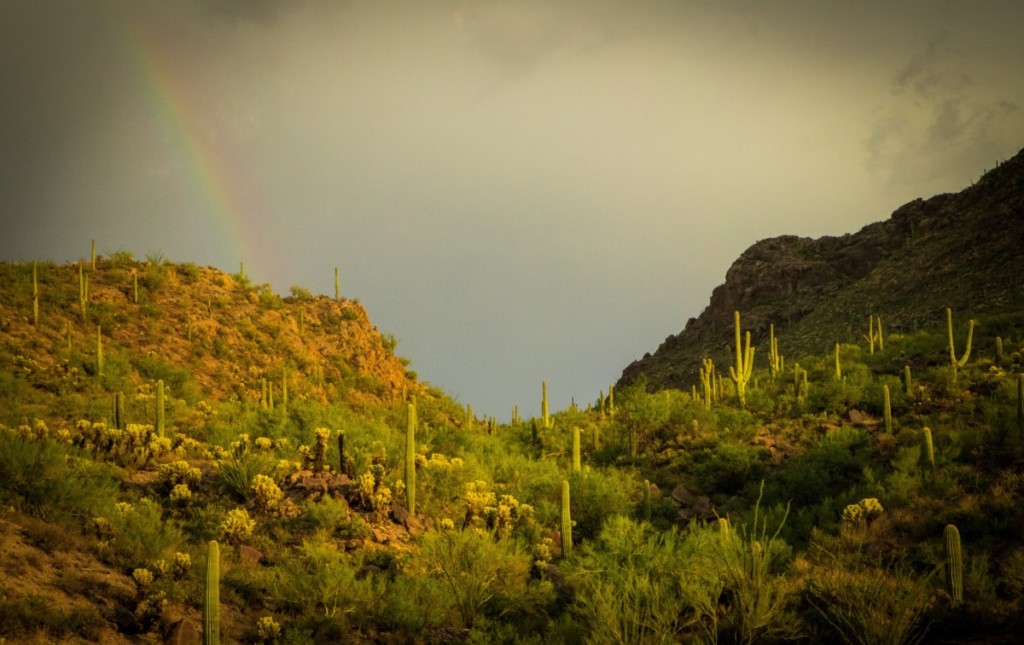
[{"x": 517, "y": 191}]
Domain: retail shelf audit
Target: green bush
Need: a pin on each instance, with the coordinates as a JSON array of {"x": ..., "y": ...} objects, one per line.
[
  {"x": 39, "y": 478},
  {"x": 482, "y": 576}
]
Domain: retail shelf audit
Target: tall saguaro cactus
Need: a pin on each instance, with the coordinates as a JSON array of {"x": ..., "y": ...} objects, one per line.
[
  {"x": 566, "y": 521},
  {"x": 774, "y": 359},
  {"x": 1020, "y": 401},
  {"x": 953, "y": 360},
  {"x": 544, "y": 404},
  {"x": 954, "y": 565},
  {"x": 929, "y": 448},
  {"x": 99, "y": 351},
  {"x": 337, "y": 285},
  {"x": 211, "y": 602},
  {"x": 707, "y": 380},
  {"x": 35, "y": 297},
  {"x": 887, "y": 409},
  {"x": 410, "y": 457},
  {"x": 576, "y": 461},
  {"x": 740, "y": 374},
  {"x": 160, "y": 408},
  {"x": 839, "y": 367}
]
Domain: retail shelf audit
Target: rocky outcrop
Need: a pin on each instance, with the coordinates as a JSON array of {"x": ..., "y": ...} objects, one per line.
[{"x": 958, "y": 250}]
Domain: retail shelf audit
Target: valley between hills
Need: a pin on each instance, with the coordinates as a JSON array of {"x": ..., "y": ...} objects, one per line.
[{"x": 833, "y": 451}]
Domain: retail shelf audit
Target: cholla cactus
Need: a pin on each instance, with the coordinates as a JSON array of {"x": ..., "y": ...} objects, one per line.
[
  {"x": 182, "y": 567},
  {"x": 178, "y": 472},
  {"x": 268, "y": 630},
  {"x": 318, "y": 458},
  {"x": 143, "y": 580},
  {"x": 181, "y": 495},
  {"x": 267, "y": 495},
  {"x": 237, "y": 526}
]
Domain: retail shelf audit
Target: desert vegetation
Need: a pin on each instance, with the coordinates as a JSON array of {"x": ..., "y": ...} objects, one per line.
[{"x": 184, "y": 452}]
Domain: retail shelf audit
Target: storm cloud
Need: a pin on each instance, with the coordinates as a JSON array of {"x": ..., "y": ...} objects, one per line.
[{"x": 516, "y": 190}]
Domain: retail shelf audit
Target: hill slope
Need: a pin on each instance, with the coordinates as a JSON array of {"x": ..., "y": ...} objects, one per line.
[
  {"x": 958, "y": 250},
  {"x": 208, "y": 334}
]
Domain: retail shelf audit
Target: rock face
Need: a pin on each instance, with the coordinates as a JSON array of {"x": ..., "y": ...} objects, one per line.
[{"x": 963, "y": 250}]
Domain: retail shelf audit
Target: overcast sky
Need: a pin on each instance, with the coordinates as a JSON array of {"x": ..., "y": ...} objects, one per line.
[{"x": 516, "y": 190}]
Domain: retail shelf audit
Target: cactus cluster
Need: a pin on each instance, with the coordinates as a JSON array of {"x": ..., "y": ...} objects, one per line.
[
  {"x": 875, "y": 334},
  {"x": 776, "y": 363},
  {"x": 953, "y": 360},
  {"x": 740, "y": 374}
]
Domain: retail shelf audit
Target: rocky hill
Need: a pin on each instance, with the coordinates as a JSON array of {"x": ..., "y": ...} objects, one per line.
[
  {"x": 208, "y": 334},
  {"x": 961, "y": 250}
]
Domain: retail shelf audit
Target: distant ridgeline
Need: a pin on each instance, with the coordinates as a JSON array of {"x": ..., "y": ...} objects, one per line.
[{"x": 964, "y": 251}]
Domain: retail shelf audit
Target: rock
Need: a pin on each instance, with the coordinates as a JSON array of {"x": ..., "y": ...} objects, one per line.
[
  {"x": 859, "y": 418},
  {"x": 249, "y": 555},
  {"x": 181, "y": 632},
  {"x": 692, "y": 506}
]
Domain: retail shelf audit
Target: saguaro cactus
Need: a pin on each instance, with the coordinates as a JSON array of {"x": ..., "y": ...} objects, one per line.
[
  {"x": 211, "y": 603},
  {"x": 160, "y": 408},
  {"x": 576, "y": 462},
  {"x": 707, "y": 380},
  {"x": 35, "y": 297},
  {"x": 337, "y": 285},
  {"x": 410, "y": 457},
  {"x": 774, "y": 359},
  {"x": 839, "y": 367},
  {"x": 544, "y": 404},
  {"x": 953, "y": 360},
  {"x": 611, "y": 400},
  {"x": 135, "y": 287},
  {"x": 284, "y": 388},
  {"x": 647, "y": 501},
  {"x": 94, "y": 254},
  {"x": 99, "y": 350},
  {"x": 929, "y": 448},
  {"x": 740, "y": 374},
  {"x": 887, "y": 409},
  {"x": 907, "y": 383},
  {"x": 1020, "y": 401},
  {"x": 954, "y": 565},
  {"x": 999, "y": 349},
  {"x": 566, "y": 521}
]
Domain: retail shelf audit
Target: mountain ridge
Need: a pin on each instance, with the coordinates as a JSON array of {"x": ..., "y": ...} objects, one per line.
[{"x": 960, "y": 250}]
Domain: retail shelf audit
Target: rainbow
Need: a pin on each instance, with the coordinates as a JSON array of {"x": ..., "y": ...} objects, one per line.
[{"x": 173, "y": 101}]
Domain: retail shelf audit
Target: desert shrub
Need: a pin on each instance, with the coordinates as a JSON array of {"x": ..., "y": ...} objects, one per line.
[
  {"x": 317, "y": 575},
  {"x": 483, "y": 576},
  {"x": 39, "y": 478},
  {"x": 598, "y": 495},
  {"x": 416, "y": 604},
  {"x": 27, "y": 616},
  {"x": 636, "y": 585},
  {"x": 871, "y": 605},
  {"x": 728, "y": 467},
  {"x": 750, "y": 563},
  {"x": 235, "y": 475},
  {"x": 328, "y": 514},
  {"x": 139, "y": 534},
  {"x": 822, "y": 471}
]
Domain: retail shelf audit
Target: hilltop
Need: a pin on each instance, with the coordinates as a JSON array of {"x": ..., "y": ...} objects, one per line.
[
  {"x": 208, "y": 334},
  {"x": 961, "y": 250}
]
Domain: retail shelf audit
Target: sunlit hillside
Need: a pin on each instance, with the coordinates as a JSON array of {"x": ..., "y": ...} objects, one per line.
[{"x": 185, "y": 456}]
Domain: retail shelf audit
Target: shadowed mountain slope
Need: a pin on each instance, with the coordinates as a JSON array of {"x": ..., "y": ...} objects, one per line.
[{"x": 962, "y": 250}]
